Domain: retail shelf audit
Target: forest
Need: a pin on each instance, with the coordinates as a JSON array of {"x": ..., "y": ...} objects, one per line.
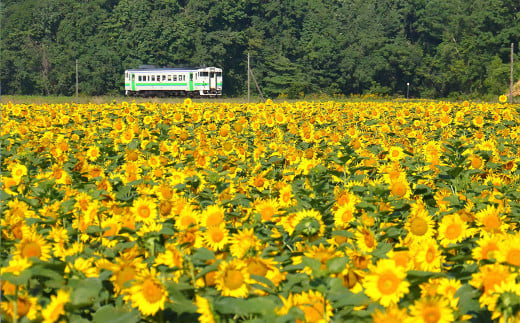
[{"x": 443, "y": 48}]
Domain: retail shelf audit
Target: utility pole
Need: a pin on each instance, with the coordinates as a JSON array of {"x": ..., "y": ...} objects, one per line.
[
  {"x": 511, "y": 78},
  {"x": 76, "y": 81},
  {"x": 248, "y": 71}
]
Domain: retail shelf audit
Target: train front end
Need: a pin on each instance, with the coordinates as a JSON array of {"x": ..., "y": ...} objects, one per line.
[{"x": 210, "y": 81}]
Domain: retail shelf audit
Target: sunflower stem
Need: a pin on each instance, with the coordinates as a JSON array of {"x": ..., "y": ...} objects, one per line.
[{"x": 15, "y": 306}]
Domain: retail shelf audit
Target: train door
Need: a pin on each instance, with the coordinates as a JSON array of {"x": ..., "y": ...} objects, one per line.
[
  {"x": 212, "y": 80},
  {"x": 191, "y": 81},
  {"x": 132, "y": 76}
]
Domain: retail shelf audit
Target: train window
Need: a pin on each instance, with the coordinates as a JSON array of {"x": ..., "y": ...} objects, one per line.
[
  {"x": 204, "y": 74},
  {"x": 219, "y": 73},
  {"x": 153, "y": 78},
  {"x": 174, "y": 78},
  {"x": 169, "y": 78},
  {"x": 158, "y": 78},
  {"x": 139, "y": 78},
  {"x": 191, "y": 76},
  {"x": 164, "y": 77},
  {"x": 211, "y": 74}
]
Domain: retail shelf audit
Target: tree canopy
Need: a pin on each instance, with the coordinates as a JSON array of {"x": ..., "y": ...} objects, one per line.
[{"x": 442, "y": 48}]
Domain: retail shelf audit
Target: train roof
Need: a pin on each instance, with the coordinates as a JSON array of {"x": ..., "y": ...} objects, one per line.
[{"x": 176, "y": 69}]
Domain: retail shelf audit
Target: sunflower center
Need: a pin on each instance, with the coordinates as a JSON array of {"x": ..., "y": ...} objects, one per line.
[
  {"x": 152, "y": 291},
  {"x": 233, "y": 279},
  {"x": 431, "y": 314},
  {"x": 257, "y": 268},
  {"x": 31, "y": 249},
  {"x": 214, "y": 219},
  {"x": 186, "y": 221},
  {"x": 398, "y": 189},
  {"x": 395, "y": 153},
  {"x": 259, "y": 182},
  {"x": 453, "y": 231},
  {"x": 217, "y": 235},
  {"x": 491, "y": 223},
  {"x": 112, "y": 230},
  {"x": 476, "y": 162},
  {"x": 228, "y": 146},
  {"x": 387, "y": 283},
  {"x": 144, "y": 211},
  {"x": 430, "y": 255},
  {"x": 346, "y": 216},
  {"x": 23, "y": 306},
  {"x": 419, "y": 226},
  {"x": 267, "y": 213},
  {"x": 124, "y": 275},
  {"x": 513, "y": 257},
  {"x": 369, "y": 239},
  {"x": 314, "y": 313}
]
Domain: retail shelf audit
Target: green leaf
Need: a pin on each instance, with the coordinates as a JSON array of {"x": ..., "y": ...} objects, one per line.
[
  {"x": 336, "y": 265},
  {"x": 18, "y": 280},
  {"x": 109, "y": 313},
  {"x": 230, "y": 305},
  {"x": 85, "y": 292},
  {"x": 468, "y": 299},
  {"x": 351, "y": 299}
]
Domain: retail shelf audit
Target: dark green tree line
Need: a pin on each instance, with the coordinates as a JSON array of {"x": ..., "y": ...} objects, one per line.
[{"x": 443, "y": 48}]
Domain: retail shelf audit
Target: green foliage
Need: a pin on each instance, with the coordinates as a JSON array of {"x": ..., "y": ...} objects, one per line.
[{"x": 442, "y": 48}]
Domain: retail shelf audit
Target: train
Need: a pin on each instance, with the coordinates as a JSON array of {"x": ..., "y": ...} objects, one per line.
[{"x": 173, "y": 81}]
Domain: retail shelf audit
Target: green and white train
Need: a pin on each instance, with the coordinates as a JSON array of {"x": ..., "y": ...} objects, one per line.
[{"x": 165, "y": 81}]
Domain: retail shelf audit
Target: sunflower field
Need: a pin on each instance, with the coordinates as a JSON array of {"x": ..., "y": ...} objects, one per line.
[{"x": 401, "y": 211}]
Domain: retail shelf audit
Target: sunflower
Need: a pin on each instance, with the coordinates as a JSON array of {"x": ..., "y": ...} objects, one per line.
[
  {"x": 33, "y": 245},
  {"x": 431, "y": 310},
  {"x": 125, "y": 270},
  {"x": 216, "y": 237},
  {"x": 313, "y": 304},
  {"x": 502, "y": 98},
  {"x": 488, "y": 279},
  {"x": 144, "y": 209},
  {"x": 391, "y": 314},
  {"x": 243, "y": 241},
  {"x": 447, "y": 288},
  {"x": 265, "y": 267},
  {"x": 93, "y": 153},
  {"x": 476, "y": 162},
  {"x": 268, "y": 209},
  {"x": 487, "y": 247},
  {"x": 204, "y": 309},
  {"x": 386, "y": 282},
  {"x": 452, "y": 229},
  {"x": 365, "y": 239},
  {"x": 188, "y": 218},
  {"x": 85, "y": 266},
  {"x": 445, "y": 120},
  {"x": 428, "y": 257},
  {"x": 344, "y": 215},
  {"x": 395, "y": 153},
  {"x": 148, "y": 293},
  {"x": 56, "y": 307},
  {"x": 419, "y": 226},
  {"x": 26, "y": 306},
  {"x": 309, "y": 223},
  {"x": 171, "y": 257},
  {"x": 214, "y": 215},
  {"x": 232, "y": 278},
  {"x": 17, "y": 171},
  {"x": 402, "y": 258},
  {"x": 509, "y": 250},
  {"x": 491, "y": 220}
]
